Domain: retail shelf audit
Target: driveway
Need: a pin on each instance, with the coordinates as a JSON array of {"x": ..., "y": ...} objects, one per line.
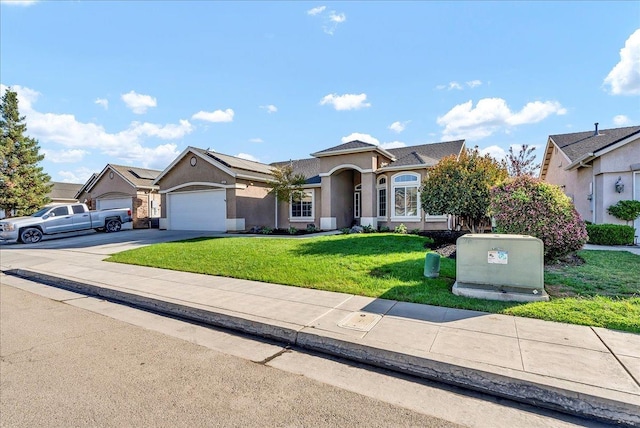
[{"x": 108, "y": 243}]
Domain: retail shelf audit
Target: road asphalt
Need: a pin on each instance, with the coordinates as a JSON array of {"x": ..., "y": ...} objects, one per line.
[{"x": 586, "y": 371}]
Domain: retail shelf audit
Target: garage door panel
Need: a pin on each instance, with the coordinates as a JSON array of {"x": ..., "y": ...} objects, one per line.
[
  {"x": 205, "y": 210},
  {"x": 107, "y": 204}
]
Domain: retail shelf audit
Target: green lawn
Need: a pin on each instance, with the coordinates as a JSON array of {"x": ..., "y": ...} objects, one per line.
[{"x": 605, "y": 291}]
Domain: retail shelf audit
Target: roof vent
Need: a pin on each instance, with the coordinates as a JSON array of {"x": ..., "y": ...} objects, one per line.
[{"x": 596, "y": 132}]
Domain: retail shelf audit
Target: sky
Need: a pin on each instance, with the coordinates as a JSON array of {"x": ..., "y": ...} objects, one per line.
[{"x": 136, "y": 82}]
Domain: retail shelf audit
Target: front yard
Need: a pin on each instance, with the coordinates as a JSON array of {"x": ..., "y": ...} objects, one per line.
[{"x": 604, "y": 291}]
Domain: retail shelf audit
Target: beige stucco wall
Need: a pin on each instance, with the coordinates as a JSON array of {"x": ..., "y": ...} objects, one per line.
[
  {"x": 106, "y": 186},
  {"x": 255, "y": 205},
  {"x": 365, "y": 161}
]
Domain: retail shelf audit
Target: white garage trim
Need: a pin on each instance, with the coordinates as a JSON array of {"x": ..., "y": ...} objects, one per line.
[
  {"x": 109, "y": 203},
  {"x": 198, "y": 210}
]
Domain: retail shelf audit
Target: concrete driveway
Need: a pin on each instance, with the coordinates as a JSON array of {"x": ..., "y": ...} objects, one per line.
[{"x": 109, "y": 243}]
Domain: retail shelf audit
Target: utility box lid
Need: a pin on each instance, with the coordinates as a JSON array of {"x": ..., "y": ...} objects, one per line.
[{"x": 500, "y": 261}]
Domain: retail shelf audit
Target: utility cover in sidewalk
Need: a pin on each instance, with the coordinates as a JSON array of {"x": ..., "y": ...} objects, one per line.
[{"x": 360, "y": 321}]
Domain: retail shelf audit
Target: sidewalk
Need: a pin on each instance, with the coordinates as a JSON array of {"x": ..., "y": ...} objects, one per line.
[{"x": 592, "y": 372}]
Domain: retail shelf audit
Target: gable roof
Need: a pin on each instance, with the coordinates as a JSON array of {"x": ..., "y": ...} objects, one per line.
[
  {"x": 309, "y": 168},
  {"x": 582, "y": 147},
  {"x": 355, "y": 146},
  {"x": 85, "y": 186},
  {"x": 139, "y": 178},
  {"x": 238, "y": 163},
  {"x": 424, "y": 155},
  {"x": 578, "y": 144},
  {"x": 64, "y": 191}
]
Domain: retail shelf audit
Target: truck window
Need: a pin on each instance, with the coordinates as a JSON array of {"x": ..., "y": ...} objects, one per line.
[
  {"x": 77, "y": 209},
  {"x": 60, "y": 211}
]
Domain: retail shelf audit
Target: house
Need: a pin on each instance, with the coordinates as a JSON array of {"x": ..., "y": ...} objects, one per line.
[
  {"x": 352, "y": 183},
  {"x": 596, "y": 169},
  {"x": 63, "y": 193},
  {"x": 118, "y": 186}
]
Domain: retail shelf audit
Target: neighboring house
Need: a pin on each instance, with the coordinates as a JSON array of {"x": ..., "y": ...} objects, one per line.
[
  {"x": 353, "y": 183},
  {"x": 63, "y": 193},
  {"x": 596, "y": 169},
  {"x": 60, "y": 193},
  {"x": 118, "y": 186}
]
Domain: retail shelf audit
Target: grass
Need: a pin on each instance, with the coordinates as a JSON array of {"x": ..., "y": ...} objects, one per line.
[{"x": 602, "y": 292}]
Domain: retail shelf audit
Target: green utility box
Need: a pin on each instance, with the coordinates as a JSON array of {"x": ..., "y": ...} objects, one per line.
[{"x": 500, "y": 267}]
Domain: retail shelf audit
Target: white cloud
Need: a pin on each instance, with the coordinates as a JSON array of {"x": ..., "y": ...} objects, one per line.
[
  {"x": 270, "y": 108},
  {"x": 621, "y": 120},
  {"x": 127, "y": 145},
  {"x": 393, "y": 145},
  {"x": 491, "y": 115},
  {"x": 399, "y": 126},
  {"x": 316, "y": 10},
  {"x": 474, "y": 83},
  {"x": 103, "y": 102},
  {"x": 79, "y": 175},
  {"x": 247, "y": 157},
  {"x": 346, "y": 101},
  {"x": 256, "y": 140},
  {"x": 338, "y": 18},
  {"x": 215, "y": 116},
  {"x": 624, "y": 78},
  {"x": 496, "y": 152},
  {"x": 455, "y": 85},
  {"x": 138, "y": 103},
  {"x": 365, "y": 138},
  {"x": 18, "y": 2},
  {"x": 64, "y": 156}
]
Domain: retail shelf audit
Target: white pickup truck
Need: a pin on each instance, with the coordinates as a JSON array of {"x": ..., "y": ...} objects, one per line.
[{"x": 61, "y": 218}]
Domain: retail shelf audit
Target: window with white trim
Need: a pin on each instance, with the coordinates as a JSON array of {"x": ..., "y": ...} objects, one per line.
[
  {"x": 405, "y": 196},
  {"x": 302, "y": 208},
  {"x": 382, "y": 197}
]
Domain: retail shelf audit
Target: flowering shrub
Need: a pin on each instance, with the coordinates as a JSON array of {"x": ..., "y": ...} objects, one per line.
[{"x": 527, "y": 206}]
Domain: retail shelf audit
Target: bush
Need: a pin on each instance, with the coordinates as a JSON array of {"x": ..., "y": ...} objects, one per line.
[
  {"x": 311, "y": 228},
  {"x": 345, "y": 230},
  {"x": 527, "y": 206},
  {"x": 625, "y": 210},
  {"x": 266, "y": 230},
  {"x": 610, "y": 234},
  {"x": 368, "y": 229},
  {"x": 383, "y": 229},
  {"x": 292, "y": 230},
  {"x": 401, "y": 228}
]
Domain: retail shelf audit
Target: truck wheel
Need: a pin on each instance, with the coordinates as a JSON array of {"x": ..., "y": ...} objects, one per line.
[
  {"x": 113, "y": 226},
  {"x": 30, "y": 235}
]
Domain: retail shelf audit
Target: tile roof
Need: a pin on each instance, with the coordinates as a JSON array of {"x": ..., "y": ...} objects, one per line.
[
  {"x": 140, "y": 177},
  {"x": 309, "y": 168},
  {"x": 351, "y": 145},
  {"x": 61, "y": 190},
  {"x": 578, "y": 144}
]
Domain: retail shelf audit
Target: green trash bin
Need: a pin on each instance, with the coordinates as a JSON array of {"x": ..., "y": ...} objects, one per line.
[{"x": 432, "y": 265}]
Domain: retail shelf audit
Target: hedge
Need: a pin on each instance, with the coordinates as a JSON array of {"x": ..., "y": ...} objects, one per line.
[{"x": 610, "y": 234}]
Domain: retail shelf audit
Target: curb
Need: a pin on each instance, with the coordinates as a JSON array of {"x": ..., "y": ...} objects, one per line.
[{"x": 528, "y": 391}]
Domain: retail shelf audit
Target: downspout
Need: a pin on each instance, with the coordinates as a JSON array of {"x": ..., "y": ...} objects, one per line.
[{"x": 276, "y": 216}]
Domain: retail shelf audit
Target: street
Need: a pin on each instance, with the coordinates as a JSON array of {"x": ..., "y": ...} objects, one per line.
[{"x": 73, "y": 360}]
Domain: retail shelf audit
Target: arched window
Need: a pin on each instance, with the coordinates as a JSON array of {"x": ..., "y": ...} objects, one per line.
[
  {"x": 404, "y": 187},
  {"x": 382, "y": 197}
]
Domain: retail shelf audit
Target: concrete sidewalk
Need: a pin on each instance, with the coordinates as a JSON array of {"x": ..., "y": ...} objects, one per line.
[{"x": 592, "y": 372}]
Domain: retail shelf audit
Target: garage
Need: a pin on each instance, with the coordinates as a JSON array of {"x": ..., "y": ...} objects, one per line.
[
  {"x": 107, "y": 204},
  {"x": 204, "y": 210}
]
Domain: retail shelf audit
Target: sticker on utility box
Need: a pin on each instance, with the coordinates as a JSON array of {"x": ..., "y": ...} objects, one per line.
[{"x": 498, "y": 257}]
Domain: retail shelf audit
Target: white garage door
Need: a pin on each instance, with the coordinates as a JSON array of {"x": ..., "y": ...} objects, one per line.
[
  {"x": 206, "y": 210},
  {"x": 106, "y": 204}
]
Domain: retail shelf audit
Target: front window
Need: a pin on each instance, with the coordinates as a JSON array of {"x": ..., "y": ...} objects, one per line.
[
  {"x": 382, "y": 197},
  {"x": 405, "y": 194},
  {"x": 302, "y": 208}
]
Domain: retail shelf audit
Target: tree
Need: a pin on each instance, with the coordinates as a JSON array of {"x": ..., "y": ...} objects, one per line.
[
  {"x": 286, "y": 185},
  {"x": 522, "y": 163},
  {"x": 23, "y": 184},
  {"x": 461, "y": 186},
  {"x": 625, "y": 210}
]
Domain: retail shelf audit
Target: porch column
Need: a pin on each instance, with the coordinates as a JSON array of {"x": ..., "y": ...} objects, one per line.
[
  {"x": 368, "y": 216},
  {"x": 327, "y": 222}
]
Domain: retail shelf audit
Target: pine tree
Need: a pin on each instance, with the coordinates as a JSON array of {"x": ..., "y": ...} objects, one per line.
[{"x": 23, "y": 184}]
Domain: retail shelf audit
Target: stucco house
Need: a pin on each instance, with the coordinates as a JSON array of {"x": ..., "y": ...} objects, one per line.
[
  {"x": 118, "y": 186},
  {"x": 352, "y": 183},
  {"x": 596, "y": 169}
]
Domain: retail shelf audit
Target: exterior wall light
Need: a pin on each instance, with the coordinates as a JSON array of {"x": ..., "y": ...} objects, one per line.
[{"x": 619, "y": 185}]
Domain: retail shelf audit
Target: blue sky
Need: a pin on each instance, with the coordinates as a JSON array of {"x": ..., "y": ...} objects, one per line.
[{"x": 135, "y": 83}]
